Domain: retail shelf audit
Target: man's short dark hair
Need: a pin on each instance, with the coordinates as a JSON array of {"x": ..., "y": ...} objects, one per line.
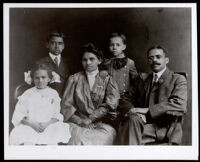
[
  {"x": 55, "y": 34},
  {"x": 158, "y": 47}
]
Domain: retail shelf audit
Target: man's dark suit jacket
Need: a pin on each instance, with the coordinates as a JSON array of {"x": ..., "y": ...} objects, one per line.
[
  {"x": 62, "y": 70},
  {"x": 168, "y": 96}
]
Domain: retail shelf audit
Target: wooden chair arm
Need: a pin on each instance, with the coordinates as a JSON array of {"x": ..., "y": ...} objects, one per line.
[{"x": 175, "y": 113}]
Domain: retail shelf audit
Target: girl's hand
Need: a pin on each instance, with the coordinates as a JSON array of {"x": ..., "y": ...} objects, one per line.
[
  {"x": 33, "y": 124},
  {"x": 44, "y": 125},
  {"x": 37, "y": 127}
]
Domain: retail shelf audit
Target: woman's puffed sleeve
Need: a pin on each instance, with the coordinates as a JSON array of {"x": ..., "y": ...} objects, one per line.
[
  {"x": 112, "y": 94},
  {"x": 105, "y": 65},
  {"x": 57, "y": 114},
  {"x": 68, "y": 104},
  {"x": 21, "y": 110},
  {"x": 133, "y": 71},
  {"x": 111, "y": 101}
]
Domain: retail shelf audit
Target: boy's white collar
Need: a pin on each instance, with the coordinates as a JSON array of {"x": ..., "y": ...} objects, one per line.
[{"x": 54, "y": 56}]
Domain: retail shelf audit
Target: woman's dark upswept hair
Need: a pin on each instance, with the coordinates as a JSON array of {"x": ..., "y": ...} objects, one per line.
[
  {"x": 90, "y": 47},
  {"x": 41, "y": 67}
]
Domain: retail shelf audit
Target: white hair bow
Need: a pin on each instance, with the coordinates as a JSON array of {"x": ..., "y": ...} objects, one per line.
[
  {"x": 55, "y": 78},
  {"x": 27, "y": 77}
]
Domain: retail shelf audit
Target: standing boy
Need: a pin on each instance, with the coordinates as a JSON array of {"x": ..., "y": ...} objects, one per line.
[{"x": 54, "y": 60}]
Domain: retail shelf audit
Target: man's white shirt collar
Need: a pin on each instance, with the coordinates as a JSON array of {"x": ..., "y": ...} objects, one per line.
[
  {"x": 52, "y": 56},
  {"x": 159, "y": 73}
]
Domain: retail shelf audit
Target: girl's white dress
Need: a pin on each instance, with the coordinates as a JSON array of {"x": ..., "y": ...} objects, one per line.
[{"x": 40, "y": 105}]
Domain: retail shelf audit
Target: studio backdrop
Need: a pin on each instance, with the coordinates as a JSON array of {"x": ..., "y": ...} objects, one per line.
[{"x": 143, "y": 27}]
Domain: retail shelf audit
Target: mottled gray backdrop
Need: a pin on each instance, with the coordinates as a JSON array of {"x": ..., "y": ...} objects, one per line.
[{"x": 170, "y": 27}]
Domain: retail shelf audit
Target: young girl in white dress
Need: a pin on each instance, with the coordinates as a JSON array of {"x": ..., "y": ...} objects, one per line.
[{"x": 37, "y": 119}]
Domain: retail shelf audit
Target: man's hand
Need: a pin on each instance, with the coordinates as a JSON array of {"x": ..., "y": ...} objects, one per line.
[
  {"x": 141, "y": 112},
  {"x": 138, "y": 110},
  {"x": 175, "y": 113}
]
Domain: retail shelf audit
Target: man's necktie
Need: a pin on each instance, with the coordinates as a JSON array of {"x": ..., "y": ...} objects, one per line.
[
  {"x": 155, "y": 79},
  {"x": 56, "y": 61}
]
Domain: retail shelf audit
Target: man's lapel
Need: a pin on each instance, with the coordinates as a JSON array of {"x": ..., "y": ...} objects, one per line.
[
  {"x": 148, "y": 84},
  {"x": 59, "y": 70},
  {"x": 164, "y": 76},
  {"x": 161, "y": 80},
  {"x": 51, "y": 63}
]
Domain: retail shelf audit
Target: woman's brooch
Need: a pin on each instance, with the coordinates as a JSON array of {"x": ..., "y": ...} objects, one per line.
[{"x": 103, "y": 74}]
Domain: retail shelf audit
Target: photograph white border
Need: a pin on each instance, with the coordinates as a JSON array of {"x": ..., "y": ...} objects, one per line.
[{"x": 102, "y": 152}]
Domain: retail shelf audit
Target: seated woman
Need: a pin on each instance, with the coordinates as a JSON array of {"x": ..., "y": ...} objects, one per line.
[{"x": 90, "y": 97}]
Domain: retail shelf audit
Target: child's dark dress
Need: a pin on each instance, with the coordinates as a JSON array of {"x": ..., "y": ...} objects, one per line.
[{"x": 123, "y": 71}]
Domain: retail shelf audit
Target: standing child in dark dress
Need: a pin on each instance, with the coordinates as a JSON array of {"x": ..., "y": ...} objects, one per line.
[{"x": 120, "y": 67}]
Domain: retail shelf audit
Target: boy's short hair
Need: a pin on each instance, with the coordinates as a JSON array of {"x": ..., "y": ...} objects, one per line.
[
  {"x": 55, "y": 34},
  {"x": 158, "y": 47},
  {"x": 41, "y": 67},
  {"x": 122, "y": 36},
  {"x": 90, "y": 47}
]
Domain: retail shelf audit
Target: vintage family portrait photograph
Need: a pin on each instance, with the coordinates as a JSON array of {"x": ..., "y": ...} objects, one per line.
[{"x": 100, "y": 81}]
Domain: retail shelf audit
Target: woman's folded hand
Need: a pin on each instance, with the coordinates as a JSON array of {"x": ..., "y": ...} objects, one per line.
[
  {"x": 85, "y": 122},
  {"x": 91, "y": 126}
]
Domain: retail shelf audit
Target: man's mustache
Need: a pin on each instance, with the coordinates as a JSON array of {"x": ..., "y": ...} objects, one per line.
[{"x": 155, "y": 63}]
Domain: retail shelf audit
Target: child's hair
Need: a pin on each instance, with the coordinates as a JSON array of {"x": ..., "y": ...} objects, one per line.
[
  {"x": 41, "y": 67},
  {"x": 122, "y": 36},
  {"x": 158, "y": 47},
  {"x": 90, "y": 47},
  {"x": 55, "y": 34}
]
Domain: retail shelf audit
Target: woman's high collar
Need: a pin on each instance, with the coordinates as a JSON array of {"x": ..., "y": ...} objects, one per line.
[{"x": 93, "y": 73}]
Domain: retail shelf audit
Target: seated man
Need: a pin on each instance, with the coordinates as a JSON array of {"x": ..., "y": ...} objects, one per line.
[
  {"x": 150, "y": 112},
  {"x": 54, "y": 60}
]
